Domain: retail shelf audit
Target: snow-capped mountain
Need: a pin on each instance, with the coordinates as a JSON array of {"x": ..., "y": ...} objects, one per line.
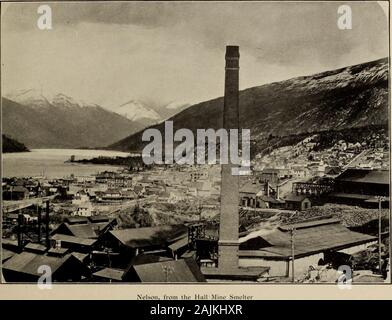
[
  {"x": 146, "y": 114},
  {"x": 138, "y": 111},
  {"x": 36, "y": 99},
  {"x": 175, "y": 105},
  {"x": 32, "y": 97}
]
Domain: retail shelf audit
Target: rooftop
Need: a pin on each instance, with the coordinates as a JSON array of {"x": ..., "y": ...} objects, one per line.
[
  {"x": 309, "y": 238},
  {"x": 29, "y": 263},
  {"x": 295, "y": 197},
  {"x": 150, "y": 236},
  {"x": 365, "y": 176},
  {"x": 73, "y": 240},
  {"x": 110, "y": 273},
  {"x": 251, "y": 187},
  {"x": 184, "y": 270}
]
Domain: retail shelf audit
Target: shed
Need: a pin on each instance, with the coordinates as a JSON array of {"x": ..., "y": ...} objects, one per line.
[
  {"x": 75, "y": 243},
  {"x": 24, "y": 267},
  {"x": 297, "y": 202}
]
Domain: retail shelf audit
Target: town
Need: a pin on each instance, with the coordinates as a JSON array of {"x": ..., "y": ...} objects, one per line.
[
  {"x": 312, "y": 204},
  {"x": 116, "y": 225}
]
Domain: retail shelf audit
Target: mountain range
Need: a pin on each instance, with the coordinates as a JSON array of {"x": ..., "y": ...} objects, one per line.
[
  {"x": 349, "y": 97},
  {"x": 60, "y": 121}
]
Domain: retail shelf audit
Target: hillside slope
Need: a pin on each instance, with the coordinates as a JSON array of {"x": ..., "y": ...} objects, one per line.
[
  {"x": 351, "y": 97},
  {"x": 11, "y": 145}
]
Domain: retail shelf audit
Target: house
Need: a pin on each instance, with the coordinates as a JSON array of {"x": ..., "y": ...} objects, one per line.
[
  {"x": 16, "y": 193},
  {"x": 332, "y": 171},
  {"x": 130, "y": 242},
  {"x": 249, "y": 193},
  {"x": 183, "y": 271},
  {"x": 105, "y": 176},
  {"x": 260, "y": 195},
  {"x": 314, "y": 241},
  {"x": 299, "y": 171},
  {"x": 25, "y": 267},
  {"x": 298, "y": 202},
  {"x": 273, "y": 175},
  {"x": 111, "y": 194},
  {"x": 80, "y": 197},
  {"x": 75, "y": 244},
  {"x": 82, "y": 227},
  {"x": 84, "y": 210}
]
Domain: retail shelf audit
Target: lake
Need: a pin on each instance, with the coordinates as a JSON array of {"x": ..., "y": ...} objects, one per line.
[{"x": 51, "y": 162}]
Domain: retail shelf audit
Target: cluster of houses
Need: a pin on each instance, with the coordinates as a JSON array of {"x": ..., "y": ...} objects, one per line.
[
  {"x": 92, "y": 249},
  {"x": 14, "y": 189},
  {"x": 354, "y": 186},
  {"x": 306, "y": 160},
  {"x": 88, "y": 246},
  {"x": 81, "y": 195}
]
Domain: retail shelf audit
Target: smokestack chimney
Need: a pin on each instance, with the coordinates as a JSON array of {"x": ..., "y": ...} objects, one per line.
[
  {"x": 277, "y": 192},
  {"x": 268, "y": 188},
  {"x": 47, "y": 225},
  {"x": 229, "y": 216}
]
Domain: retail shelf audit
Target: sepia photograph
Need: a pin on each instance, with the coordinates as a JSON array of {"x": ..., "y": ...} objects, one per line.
[{"x": 195, "y": 142}]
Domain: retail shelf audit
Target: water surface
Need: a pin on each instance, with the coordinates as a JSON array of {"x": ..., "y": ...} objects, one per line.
[{"x": 51, "y": 162}]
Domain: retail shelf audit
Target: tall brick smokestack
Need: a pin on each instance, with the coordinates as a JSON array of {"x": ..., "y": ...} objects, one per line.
[{"x": 229, "y": 217}]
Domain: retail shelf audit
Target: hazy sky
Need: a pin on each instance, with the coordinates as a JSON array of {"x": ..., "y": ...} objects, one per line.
[{"x": 109, "y": 53}]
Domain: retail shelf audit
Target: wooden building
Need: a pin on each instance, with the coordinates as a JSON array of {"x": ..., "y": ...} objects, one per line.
[
  {"x": 361, "y": 187},
  {"x": 85, "y": 228},
  {"x": 298, "y": 202},
  {"x": 24, "y": 267},
  {"x": 314, "y": 241},
  {"x": 128, "y": 243}
]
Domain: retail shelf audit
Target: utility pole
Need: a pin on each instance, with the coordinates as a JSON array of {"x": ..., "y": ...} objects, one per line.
[
  {"x": 292, "y": 254},
  {"x": 167, "y": 270},
  {"x": 47, "y": 242},
  {"x": 39, "y": 221},
  {"x": 380, "y": 199}
]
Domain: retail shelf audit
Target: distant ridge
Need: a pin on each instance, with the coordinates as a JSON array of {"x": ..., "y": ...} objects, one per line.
[
  {"x": 350, "y": 97},
  {"x": 62, "y": 122}
]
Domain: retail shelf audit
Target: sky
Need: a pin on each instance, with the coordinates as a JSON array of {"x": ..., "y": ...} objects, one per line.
[{"x": 161, "y": 52}]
